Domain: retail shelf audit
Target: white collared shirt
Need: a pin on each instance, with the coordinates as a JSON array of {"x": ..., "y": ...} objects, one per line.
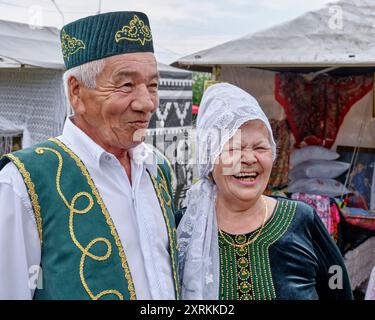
[{"x": 134, "y": 209}]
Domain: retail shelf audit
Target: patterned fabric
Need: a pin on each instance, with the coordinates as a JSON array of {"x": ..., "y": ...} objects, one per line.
[
  {"x": 359, "y": 217},
  {"x": 175, "y": 99},
  {"x": 335, "y": 221},
  {"x": 104, "y": 35},
  {"x": 32, "y": 103},
  {"x": 280, "y": 170},
  {"x": 235, "y": 281},
  {"x": 316, "y": 109},
  {"x": 245, "y": 271},
  {"x": 322, "y": 206}
]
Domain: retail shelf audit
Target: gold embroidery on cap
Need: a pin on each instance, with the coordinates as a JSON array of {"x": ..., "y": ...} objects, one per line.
[
  {"x": 70, "y": 45},
  {"x": 137, "y": 30}
]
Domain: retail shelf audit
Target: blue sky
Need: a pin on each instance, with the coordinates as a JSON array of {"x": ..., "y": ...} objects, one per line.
[{"x": 179, "y": 27}]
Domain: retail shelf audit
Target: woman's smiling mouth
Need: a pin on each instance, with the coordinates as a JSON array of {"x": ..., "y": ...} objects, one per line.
[{"x": 246, "y": 178}]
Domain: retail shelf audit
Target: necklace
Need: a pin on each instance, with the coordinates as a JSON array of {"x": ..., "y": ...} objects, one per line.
[{"x": 257, "y": 235}]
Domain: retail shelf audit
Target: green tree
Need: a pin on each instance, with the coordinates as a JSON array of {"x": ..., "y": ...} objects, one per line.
[{"x": 198, "y": 84}]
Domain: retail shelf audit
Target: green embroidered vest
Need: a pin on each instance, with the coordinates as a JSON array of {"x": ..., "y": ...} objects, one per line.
[{"x": 82, "y": 256}]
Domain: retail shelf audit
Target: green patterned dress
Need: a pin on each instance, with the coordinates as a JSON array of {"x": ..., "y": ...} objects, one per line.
[{"x": 289, "y": 259}]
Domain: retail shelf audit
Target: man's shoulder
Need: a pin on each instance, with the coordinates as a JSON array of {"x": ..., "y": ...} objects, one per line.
[
  {"x": 21, "y": 154},
  {"x": 8, "y": 173},
  {"x": 11, "y": 176}
]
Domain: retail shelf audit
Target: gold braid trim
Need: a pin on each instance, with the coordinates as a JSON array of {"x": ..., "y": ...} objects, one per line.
[
  {"x": 173, "y": 246},
  {"x": 31, "y": 190},
  {"x": 275, "y": 231},
  {"x": 171, "y": 170},
  {"x": 85, "y": 250},
  {"x": 156, "y": 150}
]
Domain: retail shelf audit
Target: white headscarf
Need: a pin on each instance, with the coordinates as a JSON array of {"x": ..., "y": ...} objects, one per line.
[{"x": 224, "y": 108}]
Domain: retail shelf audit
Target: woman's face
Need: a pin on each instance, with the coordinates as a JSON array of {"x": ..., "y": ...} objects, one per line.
[{"x": 242, "y": 171}]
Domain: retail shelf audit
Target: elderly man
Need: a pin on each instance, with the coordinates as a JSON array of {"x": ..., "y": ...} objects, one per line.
[{"x": 93, "y": 207}]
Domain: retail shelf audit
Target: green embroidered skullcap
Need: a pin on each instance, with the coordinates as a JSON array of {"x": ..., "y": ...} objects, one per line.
[{"x": 105, "y": 35}]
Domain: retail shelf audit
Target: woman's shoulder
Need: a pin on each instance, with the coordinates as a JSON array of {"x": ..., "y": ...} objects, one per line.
[
  {"x": 300, "y": 205},
  {"x": 302, "y": 211}
]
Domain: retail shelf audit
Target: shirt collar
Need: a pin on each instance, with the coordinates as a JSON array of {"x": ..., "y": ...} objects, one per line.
[
  {"x": 141, "y": 154},
  {"x": 82, "y": 141}
]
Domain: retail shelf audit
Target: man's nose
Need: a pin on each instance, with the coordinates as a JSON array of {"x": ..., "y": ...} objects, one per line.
[{"x": 144, "y": 100}]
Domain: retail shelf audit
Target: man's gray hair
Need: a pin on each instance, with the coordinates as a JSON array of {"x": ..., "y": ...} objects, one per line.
[{"x": 86, "y": 73}]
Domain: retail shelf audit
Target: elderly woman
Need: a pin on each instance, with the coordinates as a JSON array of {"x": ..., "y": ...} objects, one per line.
[{"x": 235, "y": 243}]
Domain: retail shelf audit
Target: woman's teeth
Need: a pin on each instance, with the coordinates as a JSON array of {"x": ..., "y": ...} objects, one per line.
[{"x": 247, "y": 177}]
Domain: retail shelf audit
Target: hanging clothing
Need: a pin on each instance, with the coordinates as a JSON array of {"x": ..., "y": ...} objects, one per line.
[
  {"x": 280, "y": 170},
  {"x": 316, "y": 109},
  {"x": 322, "y": 206},
  {"x": 335, "y": 216}
]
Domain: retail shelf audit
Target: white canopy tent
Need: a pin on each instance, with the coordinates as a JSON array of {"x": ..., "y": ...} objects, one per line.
[
  {"x": 21, "y": 44},
  {"x": 340, "y": 34},
  {"x": 32, "y": 102}
]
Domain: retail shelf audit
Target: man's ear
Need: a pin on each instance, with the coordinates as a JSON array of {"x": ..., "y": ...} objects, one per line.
[{"x": 74, "y": 93}]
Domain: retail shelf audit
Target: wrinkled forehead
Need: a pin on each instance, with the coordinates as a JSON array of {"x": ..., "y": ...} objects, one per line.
[
  {"x": 253, "y": 131},
  {"x": 131, "y": 64}
]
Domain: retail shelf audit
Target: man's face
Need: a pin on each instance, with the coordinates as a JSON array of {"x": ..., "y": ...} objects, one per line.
[{"x": 118, "y": 111}]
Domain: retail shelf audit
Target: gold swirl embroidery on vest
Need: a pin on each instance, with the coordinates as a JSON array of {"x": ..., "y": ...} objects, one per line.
[
  {"x": 72, "y": 211},
  {"x": 105, "y": 212},
  {"x": 70, "y": 45},
  {"x": 137, "y": 30},
  {"x": 31, "y": 190},
  {"x": 171, "y": 233}
]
